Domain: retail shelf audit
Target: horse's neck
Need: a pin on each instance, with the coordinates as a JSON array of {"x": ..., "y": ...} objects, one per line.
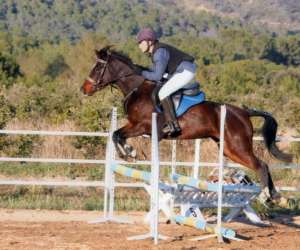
[
  {"x": 130, "y": 83},
  {"x": 138, "y": 95}
]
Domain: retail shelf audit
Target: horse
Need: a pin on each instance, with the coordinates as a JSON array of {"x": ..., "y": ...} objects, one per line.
[{"x": 200, "y": 121}]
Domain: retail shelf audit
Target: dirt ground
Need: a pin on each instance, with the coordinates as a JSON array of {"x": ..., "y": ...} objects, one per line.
[{"x": 39, "y": 229}]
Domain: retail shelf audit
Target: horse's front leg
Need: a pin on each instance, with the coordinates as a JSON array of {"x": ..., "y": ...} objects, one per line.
[
  {"x": 119, "y": 138},
  {"x": 119, "y": 142}
]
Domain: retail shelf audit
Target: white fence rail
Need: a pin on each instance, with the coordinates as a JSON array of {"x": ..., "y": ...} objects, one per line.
[
  {"x": 196, "y": 164},
  {"x": 57, "y": 133}
]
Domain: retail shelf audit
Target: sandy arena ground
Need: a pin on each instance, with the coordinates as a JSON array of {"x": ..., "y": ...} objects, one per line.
[{"x": 38, "y": 229}]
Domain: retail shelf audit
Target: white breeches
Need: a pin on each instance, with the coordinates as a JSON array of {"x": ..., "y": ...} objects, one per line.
[{"x": 176, "y": 82}]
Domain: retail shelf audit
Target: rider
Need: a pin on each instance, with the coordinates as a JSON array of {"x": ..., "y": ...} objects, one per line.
[{"x": 179, "y": 66}]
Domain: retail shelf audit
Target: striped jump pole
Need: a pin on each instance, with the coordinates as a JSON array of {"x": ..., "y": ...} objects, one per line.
[
  {"x": 203, "y": 225},
  {"x": 213, "y": 187},
  {"x": 131, "y": 172}
]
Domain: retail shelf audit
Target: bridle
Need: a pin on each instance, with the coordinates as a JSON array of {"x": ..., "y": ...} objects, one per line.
[{"x": 99, "y": 84}]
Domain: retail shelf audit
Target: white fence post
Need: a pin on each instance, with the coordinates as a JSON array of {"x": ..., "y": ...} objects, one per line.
[
  {"x": 221, "y": 165},
  {"x": 109, "y": 181},
  {"x": 154, "y": 194},
  {"x": 109, "y": 158},
  {"x": 196, "y": 159},
  {"x": 112, "y": 158},
  {"x": 173, "y": 159},
  {"x": 154, "y": 179}
]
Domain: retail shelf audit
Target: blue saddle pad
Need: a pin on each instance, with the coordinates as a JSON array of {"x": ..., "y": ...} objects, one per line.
[{"x": 189, "y": 101}]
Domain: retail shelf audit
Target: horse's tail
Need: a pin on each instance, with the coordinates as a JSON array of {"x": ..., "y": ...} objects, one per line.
[{"x": 269, "y": 130}]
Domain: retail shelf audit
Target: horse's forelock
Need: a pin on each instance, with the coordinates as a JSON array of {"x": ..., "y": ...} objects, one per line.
[{"x": 106, "y": 51}]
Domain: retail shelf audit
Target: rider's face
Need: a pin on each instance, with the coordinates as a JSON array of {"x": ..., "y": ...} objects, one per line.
[{"x": 144, "y": 46}]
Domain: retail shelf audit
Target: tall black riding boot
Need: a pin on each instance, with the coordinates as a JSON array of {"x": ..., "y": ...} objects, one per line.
[{"x": 171, "y": 127}]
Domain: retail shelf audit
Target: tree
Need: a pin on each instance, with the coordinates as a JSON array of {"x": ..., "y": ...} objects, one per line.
[
  {"x": 284, "y": 50},
  {"x": 9, "y": 70}
]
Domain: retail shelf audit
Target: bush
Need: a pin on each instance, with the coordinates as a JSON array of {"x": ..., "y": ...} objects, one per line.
[
  {"x": 6, "y": 111},
  {"x": 9, "y": 70}
]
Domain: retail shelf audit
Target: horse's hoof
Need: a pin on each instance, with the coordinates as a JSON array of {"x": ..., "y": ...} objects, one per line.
[
  {"x": 130, "y": 151},
  {"x": 282, "y": 202},
  {"x": 133, "y": 153},
  {"x": 264, "y": 198}
]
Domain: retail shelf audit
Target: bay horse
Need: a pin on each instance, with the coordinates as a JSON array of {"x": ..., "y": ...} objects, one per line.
[{"x": 200, "y": 121}]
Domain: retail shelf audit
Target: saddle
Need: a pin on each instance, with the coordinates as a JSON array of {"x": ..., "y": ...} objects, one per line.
[{"x": 182, "y": 99}]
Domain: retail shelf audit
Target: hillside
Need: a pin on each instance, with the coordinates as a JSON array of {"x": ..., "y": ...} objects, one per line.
[
  {"x": 58, "y": 20},
  {"x": 276, "y": 15}
]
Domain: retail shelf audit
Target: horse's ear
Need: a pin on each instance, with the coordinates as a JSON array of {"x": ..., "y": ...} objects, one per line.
[
  {"x": 97, "y": 53},
  {"x": 108, "y": 48},
  {"x": 101, "y": 54}
]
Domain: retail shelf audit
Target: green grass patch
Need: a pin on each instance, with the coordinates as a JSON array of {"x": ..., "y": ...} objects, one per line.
[
  {"x": 40, "y": 170},
  {"x": 64, "y": 198}
]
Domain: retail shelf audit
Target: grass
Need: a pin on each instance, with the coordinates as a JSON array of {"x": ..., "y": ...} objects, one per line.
[
  {"x": 69, "y": 198},
  {"x": 37, "y": 170},
  {"x": 60, "y": 198}
]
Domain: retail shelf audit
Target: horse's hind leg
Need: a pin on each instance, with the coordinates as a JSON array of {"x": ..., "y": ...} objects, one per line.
[
  {"x": 242, "y": 153},
  {"x": 268, "y": 187}
]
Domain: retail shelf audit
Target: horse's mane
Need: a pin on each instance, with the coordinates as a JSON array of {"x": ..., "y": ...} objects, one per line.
[
  {"x": 127, "y": 60},
  {"x": 122, "y": 57}
]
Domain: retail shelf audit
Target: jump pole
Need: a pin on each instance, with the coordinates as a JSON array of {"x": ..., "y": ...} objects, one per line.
[
  {"x": 213, "y": 187},
  {"x": 203, "y": 225}
]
